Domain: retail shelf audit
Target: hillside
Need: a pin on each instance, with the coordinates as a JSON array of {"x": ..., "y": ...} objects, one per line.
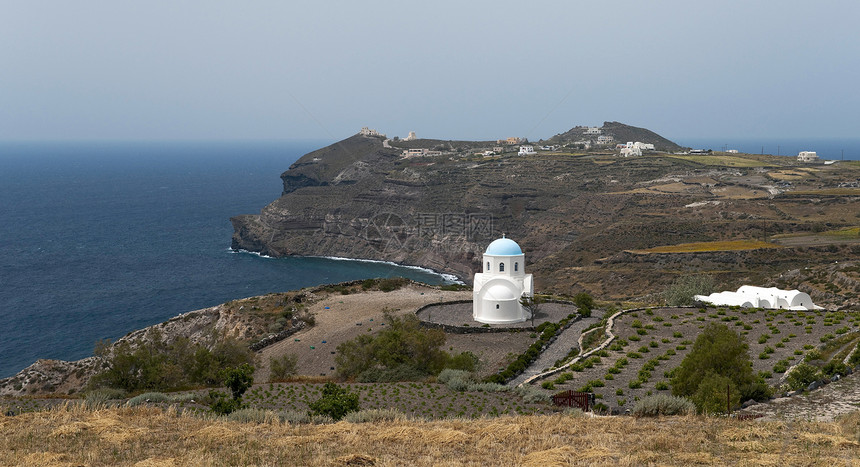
[
  {"x": 577, "y": 215},
  {"x": 620, "y": 133}
]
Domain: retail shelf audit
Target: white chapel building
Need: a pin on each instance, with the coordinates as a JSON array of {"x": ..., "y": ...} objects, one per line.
[{"x": 497, "y": 290}]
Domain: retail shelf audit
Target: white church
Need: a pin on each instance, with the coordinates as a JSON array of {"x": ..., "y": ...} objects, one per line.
[{"x": 498, "y": 289}]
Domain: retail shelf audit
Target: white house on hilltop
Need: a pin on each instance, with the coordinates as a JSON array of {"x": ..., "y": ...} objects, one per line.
[
  {"x": 497, "y": 290},
  {"x": 750, "y": 296},
  {"x": 807, "y": 156}
]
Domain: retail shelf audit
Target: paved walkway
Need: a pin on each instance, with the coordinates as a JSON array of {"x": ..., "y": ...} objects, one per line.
[{"x": 567, "y": 340}]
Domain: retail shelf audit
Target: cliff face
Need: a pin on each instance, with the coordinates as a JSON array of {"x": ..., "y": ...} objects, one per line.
[{"x": 360, "y": 199}]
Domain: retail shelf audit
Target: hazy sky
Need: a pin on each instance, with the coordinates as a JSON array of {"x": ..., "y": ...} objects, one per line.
[{"x": 445, "y": 69}]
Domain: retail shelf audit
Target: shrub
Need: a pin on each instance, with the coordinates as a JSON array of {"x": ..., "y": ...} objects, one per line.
[
  {"x": 584, "y": 303},
  {"x": 711, "y": 393},
  {"x": 282, "y": 367},
  {"x": 449, "y": 374},
  {"x": 403, "y": 348},
  {"x": 147, "y": 397},
  {"x": 681, "y": 292},
  {"x": 531, "y": 394},
  {"x": 718, "y": 351},
  {"x": 154, "y": 365},
  {"x": 661, "y": 386},
  {"x": 802, "y": 376},
  {"x": 663, "y": 404},
  {"x": 335, "y": 402},
  {"x": 101, "y": 396}
]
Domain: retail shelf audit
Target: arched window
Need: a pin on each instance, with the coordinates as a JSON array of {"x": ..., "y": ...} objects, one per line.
[
  {"x": 516, "y": 267},
  {"x": 497, "y": 306},
  {"x": 488, "y": 266},
  {"x": 501, "y": 267}
]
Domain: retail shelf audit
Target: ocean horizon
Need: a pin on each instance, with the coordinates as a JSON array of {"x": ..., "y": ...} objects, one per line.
[{"x": 102, "y": 238}]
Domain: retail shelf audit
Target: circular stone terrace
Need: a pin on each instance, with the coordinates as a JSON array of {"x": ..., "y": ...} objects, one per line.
[{"x": 459, "y": 314}]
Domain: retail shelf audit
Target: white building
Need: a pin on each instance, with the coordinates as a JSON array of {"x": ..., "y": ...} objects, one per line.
[
  {"x": 604, "y": 139},
  {"x": 497, "y": 290},
  {"x": 526, "y": 150},
  {"x": 631, "y": 149},
  {"x": 749, "y": 296},
  {"x": 411, "y": 136},
  {"x": 636, "y": 148},
  {"x": 593, "y": 130},
  {"x": 807, "y": 156}
]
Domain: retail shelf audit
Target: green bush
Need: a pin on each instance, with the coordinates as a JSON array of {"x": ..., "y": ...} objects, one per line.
[
  {"x": 663, "y": 404},
  {"x": 712, "y": 391},
  {"x": 401, "y": 350},
  {"x": 155, "y": 365},
  {"x": 833, "y": 368},
  {"x": 335, "y": 402},
  {"x": 718, "y": 351},
  {"x": 282, "y": 367},
  {"x": 802, "y": 376},
  {"x": 584, "y": 303}
]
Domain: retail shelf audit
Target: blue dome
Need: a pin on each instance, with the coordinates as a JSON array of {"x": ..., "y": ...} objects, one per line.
[{"x": 503, "y": 247}]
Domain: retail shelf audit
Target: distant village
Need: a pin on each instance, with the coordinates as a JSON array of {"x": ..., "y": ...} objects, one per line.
[{"x": 592, "y": 138}]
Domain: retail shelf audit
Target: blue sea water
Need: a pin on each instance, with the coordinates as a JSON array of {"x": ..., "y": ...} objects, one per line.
[
  {"x": 99, "y": 239},
  {"x": 827, "y": 148}
]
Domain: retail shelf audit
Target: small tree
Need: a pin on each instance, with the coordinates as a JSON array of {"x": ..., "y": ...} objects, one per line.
[
  {"x": 718, "y": 351},
  {"x": 335, "y": 402},
  {"x": 532, "y": 304},
  {"x": 238, "y": 380},
  {"x": 584, "y": 303}
]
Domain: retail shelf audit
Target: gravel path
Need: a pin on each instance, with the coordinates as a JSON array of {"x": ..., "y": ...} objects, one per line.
[{"x": 567, "y": 340}]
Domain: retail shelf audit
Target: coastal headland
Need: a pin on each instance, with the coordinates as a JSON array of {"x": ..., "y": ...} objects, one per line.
[{"x": 619, "y": 228}]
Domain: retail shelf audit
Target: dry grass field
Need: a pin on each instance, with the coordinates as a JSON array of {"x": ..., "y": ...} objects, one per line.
[{"x": 72, "y": 435}]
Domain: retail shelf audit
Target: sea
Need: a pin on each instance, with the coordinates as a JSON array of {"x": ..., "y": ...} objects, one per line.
[{"x": 98, "y": 239}]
